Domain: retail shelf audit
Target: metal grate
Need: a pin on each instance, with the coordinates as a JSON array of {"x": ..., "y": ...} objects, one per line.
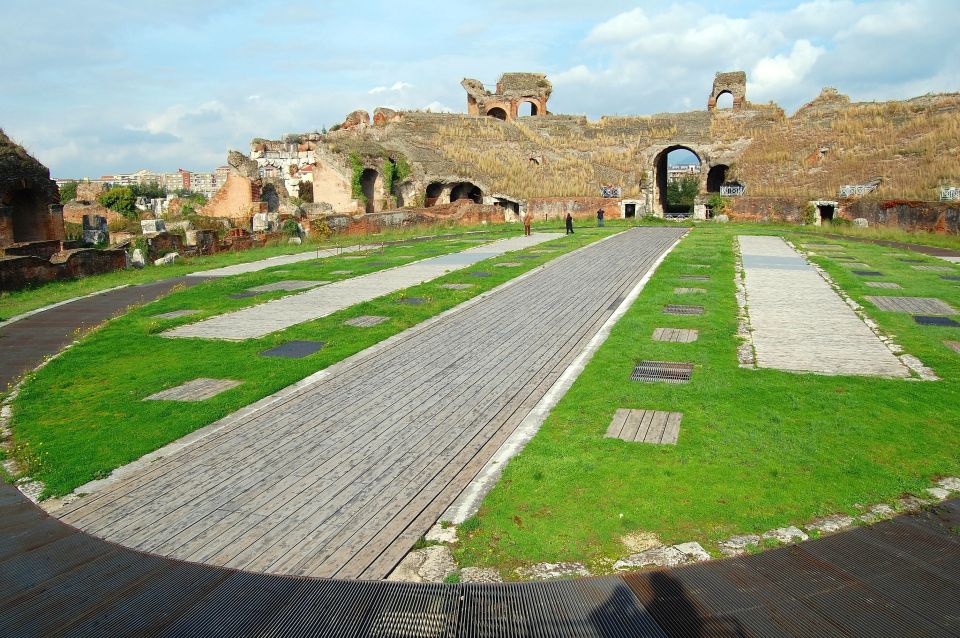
[
  {"x": 527, "y": 257},
  {"x": 950, "y": 277},
  {"x": 478, "y": 274},
  {"x": 413, "y": 301},
  {"x": 676, "y": 309},
  {"x": 293, "y": 349},
  {"x": 695, "y": 277},
  {"x": 665, "y": 371},
  {"x": 933, "y": 268},
  {"x": 868, "y": 273},
  {"x": 912, "y": 261},
  {"x": 244, "y": 295},
  {"x": 927, "y": 320}
]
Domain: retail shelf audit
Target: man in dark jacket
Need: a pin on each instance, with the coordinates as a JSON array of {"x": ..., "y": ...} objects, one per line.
[
  {"x": 569, "y": 224},
  {"x": 600, "y": 218}
]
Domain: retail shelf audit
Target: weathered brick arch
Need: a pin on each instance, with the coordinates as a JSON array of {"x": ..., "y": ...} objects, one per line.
[
  {"x": 659, "y": 165},
  {"x": 734, "y": 83}
]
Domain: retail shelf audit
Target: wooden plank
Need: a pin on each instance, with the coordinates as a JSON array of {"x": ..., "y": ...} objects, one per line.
[
  {"x": 672, "y": 430},
  {"x": 616, "y": 424},
  {"x": 654, "y": 433}
]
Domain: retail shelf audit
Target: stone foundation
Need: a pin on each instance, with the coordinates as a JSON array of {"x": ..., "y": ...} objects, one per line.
[{"x": 17, "y": 272}]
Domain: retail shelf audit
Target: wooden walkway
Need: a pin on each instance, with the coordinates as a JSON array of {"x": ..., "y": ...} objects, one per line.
[
  {"x": 342, "y": 477},
  {"x": 895, "y": 578}
]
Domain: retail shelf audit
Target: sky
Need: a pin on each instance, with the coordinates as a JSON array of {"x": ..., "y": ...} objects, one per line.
[{"x": 94, "y": 88}]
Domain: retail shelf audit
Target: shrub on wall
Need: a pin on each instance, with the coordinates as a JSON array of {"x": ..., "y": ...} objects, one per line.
[{"x": 356, "y": 186}]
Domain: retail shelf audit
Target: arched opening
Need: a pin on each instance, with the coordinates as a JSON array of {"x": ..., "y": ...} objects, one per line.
[
  {"x": 826, "y": 212},
  {"x": 498, "y": 113},
  {"x": 678, "y": 180},
  {"x": 508, "y": 205},
  {"x": 725, "y": 100},
  {"x": 526, "y": 109},
  {"x": 433, "y": 193},
  {"x": 466, "y": 190},
  {"x": 368, "y": 183},
  {"x": 27, "y": 211},
  {"x": 271, "y": 196},
  {"x": 716, "y": 177}
]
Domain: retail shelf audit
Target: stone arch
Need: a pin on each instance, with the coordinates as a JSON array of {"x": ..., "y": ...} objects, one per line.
[
  {"x": 28, "y": 215},
  {"x": 466, "y": 190},
  {"x": 661, "y": 177},
  {"x": 734, "y": 83},
  {"x": 497, "y": 112},
  {"x": 724, "y": 101},
  {"x": 534, "y": 108},
  {"x": 368, "y": 184},
  {"x": 433, "y": 193},
  {"x": 716, "y": 177}
]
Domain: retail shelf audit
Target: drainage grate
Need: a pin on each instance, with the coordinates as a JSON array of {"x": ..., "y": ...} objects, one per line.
[
  {"x": 527, "y": 257},
  {"x": 868, "y": 273},
  {"x": 478, "y": 274},
  {"x": 840, "y": 257},
  {"x": 695, "y": 277},
  {"x": 244, "y": 295},
  {"x": 675, "y": 309},
  {"x": 950, "y": 277},
  {"x": 413, "y": 301},
  {"x": 377, "y": 264},
  {"x": 912, "y": 261},
  {"x": 926, "y": 320},
  {"x": 856, "y": 264},
  {"x": 665, "y": 371},
  {"x": 933, "y": 268},
  {"x": 293, "y": 349}
]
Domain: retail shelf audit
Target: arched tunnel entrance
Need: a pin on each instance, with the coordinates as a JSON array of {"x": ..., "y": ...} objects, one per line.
[
  {"x": 498, "y": 113},
  {"x": 678, "y": 180},
  {"x": 434, "y": 189},
  {"x": 466, "y": 190},
  {"x": 368, "y": 183},
  {"x": 526, "y": 109},
  {"x": 716, "y": 177}
]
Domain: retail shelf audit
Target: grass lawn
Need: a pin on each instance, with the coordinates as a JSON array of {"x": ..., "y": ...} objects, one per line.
[
  {"x": 83, "y": 415},
  {"x": 757, "y": 449},
  {"x": 13, "y": 303}
]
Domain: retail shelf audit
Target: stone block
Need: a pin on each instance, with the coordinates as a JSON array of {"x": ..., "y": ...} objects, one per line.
[{"x": 151, "y": 226}]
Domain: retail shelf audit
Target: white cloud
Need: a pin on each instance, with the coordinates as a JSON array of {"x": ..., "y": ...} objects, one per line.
[
  {"x": 396, "y": 86},
  {"x": 773, "y": 76},
  {"x": 437, "y": 107}
]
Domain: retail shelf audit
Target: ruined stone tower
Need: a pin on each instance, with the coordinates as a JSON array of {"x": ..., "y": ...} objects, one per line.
[
  {"x": 734, "y": 83},
  {"x": 513, "y": 89}
]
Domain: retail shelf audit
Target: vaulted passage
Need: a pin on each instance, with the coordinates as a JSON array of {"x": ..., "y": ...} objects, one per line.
[
  {"x": 498, "y": 113},
  {"x": 527, "y": 109},
  {"x": 716, "y": 177},
  {"x": 466, "y": 190},
  {"x": 677, "y": 171},
  {"x": 368, "y": 182},
  {"x": 434, "y": 189}
]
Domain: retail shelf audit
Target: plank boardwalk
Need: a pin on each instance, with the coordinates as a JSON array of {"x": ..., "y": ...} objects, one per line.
[
  {"x": 343, "y": 476},
  {"x": 800, "y": 323}
]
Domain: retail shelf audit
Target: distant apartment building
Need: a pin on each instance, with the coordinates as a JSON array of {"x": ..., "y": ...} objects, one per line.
[
  {"x": 679, "y": 171},
  {"x": 205, "y": 183}
]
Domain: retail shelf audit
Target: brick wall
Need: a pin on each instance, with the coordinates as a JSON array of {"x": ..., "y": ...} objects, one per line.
[{"x": 544, "y": 208}]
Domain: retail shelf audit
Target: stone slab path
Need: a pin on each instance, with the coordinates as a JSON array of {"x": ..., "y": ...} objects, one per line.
[
  {"x": 263, "y": 319},
  {"x": 800, "y": 323},
  {"x": 343, "y": 475},
  {"x": 279, "y": 260}
]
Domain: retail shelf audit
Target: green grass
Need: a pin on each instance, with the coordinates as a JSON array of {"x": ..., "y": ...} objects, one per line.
[
  {"x": 83, "y": 415},
  {"x": 758, "y": 449}
]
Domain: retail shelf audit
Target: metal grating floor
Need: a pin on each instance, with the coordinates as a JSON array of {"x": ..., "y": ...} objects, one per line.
[
  {"x": 243, "y": 295},
  {"x": 933, "y": 268},
  {"x": 695, "y": 277},
  {"x": 882, "y": 284},
  {"x": 894, "y": 578},
  {"x": 478, "y": 273},
  {"x": 664, "y": 371},
  {"x": 676, "y": 309},
  {"x": 413, "y": 301},
  {"x": 925, "y": 320},
  {"x": 950, "y": 277},
  {"x": 868, "y": 273}
]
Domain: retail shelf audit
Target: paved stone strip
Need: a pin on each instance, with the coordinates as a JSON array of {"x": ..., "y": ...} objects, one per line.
[
  {"x": 288, "y": 285},
  {"x": 953, "y": 345},
  {"x": 341, "y": 477},
  {"x": 279, "y": 314},
  {"x": 175, "y": 314},
  {"x": 800, "y": 323},
  {"x": 675, "y": 335},
  {"x": 933, "y": 268},
  {"x": 645, "y": 426},
  {"x": 279, "y": 260},
  {"x": 913, "y": 305},
  {"x": 195, "y": 390}
]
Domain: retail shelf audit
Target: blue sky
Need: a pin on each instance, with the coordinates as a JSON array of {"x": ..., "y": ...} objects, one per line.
[{"x": 94, "y": 88}]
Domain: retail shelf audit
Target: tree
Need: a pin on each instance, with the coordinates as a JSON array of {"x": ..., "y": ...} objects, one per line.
[
  {"x": 683, "y": 191},
  {"x": 120, "y": 199},
  {"x": 68, "y": 192},
  {"x": 152, "y": 190}
]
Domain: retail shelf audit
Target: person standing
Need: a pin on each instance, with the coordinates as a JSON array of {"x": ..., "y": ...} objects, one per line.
[
  {"x": 527, "y": 220},
  {"x": 600, "y": 217},
  {"x": 569, "y": 224}
]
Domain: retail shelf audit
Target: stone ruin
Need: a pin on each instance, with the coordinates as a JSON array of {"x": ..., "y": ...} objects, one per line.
[
  {"x": 513, "y": 89},
  {"x": 734, "y": 84},
  {"x": 29, "y": 200}
]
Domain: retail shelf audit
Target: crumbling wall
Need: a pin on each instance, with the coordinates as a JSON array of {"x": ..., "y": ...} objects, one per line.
[
  {"x": 513, "y": 89},
  {"x": 29, "y": 200},
  {"x": 19, "y": 272},
  {"x": 734, "y": 83},
  {"x": 544, "y": 208}
]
